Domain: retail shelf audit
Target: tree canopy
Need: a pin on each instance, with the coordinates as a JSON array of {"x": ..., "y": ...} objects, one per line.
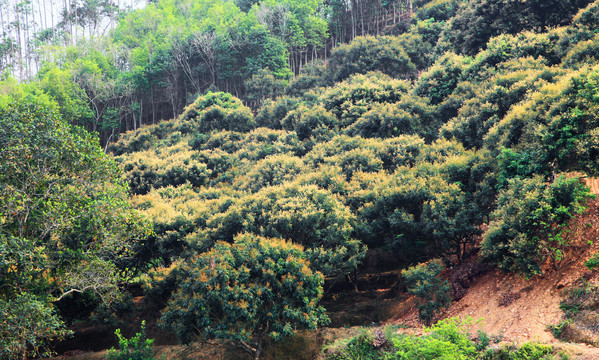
[
  {"x": 65, "y": 222},
  {"x": 254, "y": 288}
]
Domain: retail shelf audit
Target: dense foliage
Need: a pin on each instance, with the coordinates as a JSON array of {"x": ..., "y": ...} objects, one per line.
[
  {"x": 254, "y": 288},
  {"x": 527, "y": 227},
  {"x": 65, "y": 223},
  {"x": 301, "y": 133}
]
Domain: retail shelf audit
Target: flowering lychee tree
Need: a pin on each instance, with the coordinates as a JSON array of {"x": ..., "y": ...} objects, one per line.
[{"x": 255, "y": 288}]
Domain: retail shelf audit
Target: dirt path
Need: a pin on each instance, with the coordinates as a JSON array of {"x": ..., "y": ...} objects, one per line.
[{"x": 593, "y": 183}]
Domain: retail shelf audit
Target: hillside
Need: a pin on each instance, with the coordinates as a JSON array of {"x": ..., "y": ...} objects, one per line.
[
  {"x": 301, "y": 179},
  {"x": 518, "y": 309}
]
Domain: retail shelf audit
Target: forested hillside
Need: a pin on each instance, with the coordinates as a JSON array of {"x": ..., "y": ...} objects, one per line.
[{"x": 236, "y": 158}]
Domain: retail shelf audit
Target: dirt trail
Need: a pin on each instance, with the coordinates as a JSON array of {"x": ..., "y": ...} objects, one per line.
[{"x": 592, "y": 183}]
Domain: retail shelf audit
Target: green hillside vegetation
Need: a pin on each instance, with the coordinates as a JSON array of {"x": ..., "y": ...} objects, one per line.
[{"x": 256, "y": 149}]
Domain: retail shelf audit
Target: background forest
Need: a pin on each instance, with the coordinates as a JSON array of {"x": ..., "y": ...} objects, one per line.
[{"x": 231, "y": 155}]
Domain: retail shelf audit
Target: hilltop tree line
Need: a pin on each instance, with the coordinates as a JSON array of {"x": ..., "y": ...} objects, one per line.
[
  {"x": 113, "y": 69},
  {"x": 277, "y": 168}
]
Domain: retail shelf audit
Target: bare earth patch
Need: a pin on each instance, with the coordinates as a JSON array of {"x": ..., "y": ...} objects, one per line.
[{"x": 519, "y": 309}]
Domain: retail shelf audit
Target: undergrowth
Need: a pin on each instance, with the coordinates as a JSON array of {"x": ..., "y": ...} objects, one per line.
[
  {"x": 449, "y": 339},
  {"x": 580, "y": 323},
  {"x": 138, "y": 347}
]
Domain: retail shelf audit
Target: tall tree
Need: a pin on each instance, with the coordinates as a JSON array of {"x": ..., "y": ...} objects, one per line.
[{"x": 65, "y": 223}]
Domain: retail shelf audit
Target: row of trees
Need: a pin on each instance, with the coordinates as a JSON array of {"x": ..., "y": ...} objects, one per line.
[
  {"x": 159, "y": 58},
  {"x": 156, "y": 60},
  {"x": 30, "y": 28}
]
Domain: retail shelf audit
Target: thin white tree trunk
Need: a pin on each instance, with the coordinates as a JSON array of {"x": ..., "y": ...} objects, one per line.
[
  {"x": 77, "y": 22},
  {"x": 19, "y": 43}
]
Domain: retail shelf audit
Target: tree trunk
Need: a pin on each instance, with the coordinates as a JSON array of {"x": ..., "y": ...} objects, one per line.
[
  {"x": 257, "y": 353},
  {"x": 77, "y": 23},
  {"x": 52, "y": 21},
  {"x": 68, "y": 7},
  {"x": 253, "y": 349},
  {"x": 44, "y": 12},
  {"x": 353, "y": 280},
  {"x": 19, "y": 43}
]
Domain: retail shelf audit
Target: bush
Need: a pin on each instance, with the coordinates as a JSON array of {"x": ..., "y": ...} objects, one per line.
[
  {"x": 448, "y": 339},
  {"x": 527, "y": 226},
  {"x": 308, "y": 122},
  {"x": 411, "y": 115},
  {"x": 360, "y": 347},
  {"x": 441, "y": 79},
  {"x": 369, "y": 53},
  {"x": 353, "y": 97},
  {"x": 307, "y": 215},
  {"x": 384, "y": 120},
  {"x": 528, "y": 351},
  {"x": 240, "y": 119},
  {"x": 216, "y": 111},
  {"x": 28, "y": 324},
  {"x": 246, "y": 291},
  {"x": 137, "y": 348},
  {"x": 203, "y": 102},
  {"x": 271, "y": 171},
  {"x": 593, "y": 262},
  {"x": 423, "y": 281},
  {"x": 415, "y": 212},
  {"x": 273, "y": 112}
]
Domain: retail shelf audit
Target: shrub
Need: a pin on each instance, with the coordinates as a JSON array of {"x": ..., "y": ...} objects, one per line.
[
  {"x": 137, "y": 348},
  {"x": 423, "y": 280},
  {"x": 528, "y": 351},
  {"x": 272, "y": 170},
  {"x": 28, "y": 324},
  {"x": 353, "y": 97},
  {"x": 216, "y": 111},
  {"x": 369, "y": 53},
  {"x": 240, "y": 119},
  {"x": 308, "y": 122},
  {"x": 360, "y": 347},
  {"x": 593, "y": 262},
  {"x": 448, "y": 339},
  {"x": 527, "y": 226},
  {"x": 273, "y": 112},
  {"x": 307, "y": 215},
  {"x": 441, "y": 79},
  {"x": 415, "y": 212},
  {"x": 203, "y": 102}
]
